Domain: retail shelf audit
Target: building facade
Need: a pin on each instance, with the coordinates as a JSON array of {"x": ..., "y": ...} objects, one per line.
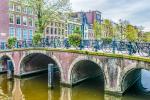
[
  {"x": 87, "y": 21},
  {"x": 71, "y": 25},
  {"x": 56, "y": 30},
  {"x": 60, "y": 29},
  {"x": 16, "y": 20}
]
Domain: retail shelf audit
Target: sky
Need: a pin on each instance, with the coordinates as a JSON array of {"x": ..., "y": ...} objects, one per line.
[{"x": 137, "y": 12}]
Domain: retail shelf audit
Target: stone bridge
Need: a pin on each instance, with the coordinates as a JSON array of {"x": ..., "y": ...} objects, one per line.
[{"x": 118, "y": 74}]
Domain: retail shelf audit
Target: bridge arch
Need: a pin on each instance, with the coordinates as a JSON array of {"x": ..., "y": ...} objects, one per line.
[
  {"x": 48, "y": 56},
  {"x": 131, "y": 76},
  {"x": 8, "y": 57},
  {"x": 83, "y": 60}
]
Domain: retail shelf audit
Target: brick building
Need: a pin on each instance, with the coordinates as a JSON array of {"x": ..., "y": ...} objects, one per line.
[
  {"x": 16, "y": 20},
  {"x": 60, "y": 29}
]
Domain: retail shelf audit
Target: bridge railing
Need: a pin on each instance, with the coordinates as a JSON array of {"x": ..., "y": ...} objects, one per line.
[{"x": 119, "y": 47}]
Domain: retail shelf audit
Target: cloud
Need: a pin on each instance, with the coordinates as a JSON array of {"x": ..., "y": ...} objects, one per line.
[{"x": 136, "y": 11}]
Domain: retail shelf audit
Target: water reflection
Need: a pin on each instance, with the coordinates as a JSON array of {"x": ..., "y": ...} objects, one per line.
[{"x": 36, "y": 88}]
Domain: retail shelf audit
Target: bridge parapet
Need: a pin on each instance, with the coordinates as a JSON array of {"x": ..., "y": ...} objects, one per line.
[{"x": 114, "y": 47}]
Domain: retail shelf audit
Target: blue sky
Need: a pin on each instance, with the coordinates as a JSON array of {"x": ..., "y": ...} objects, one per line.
[{"x": 135, "y": 11}]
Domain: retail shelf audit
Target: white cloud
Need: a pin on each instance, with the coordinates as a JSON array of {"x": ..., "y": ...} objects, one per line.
[{"x": 136, "y": 11}]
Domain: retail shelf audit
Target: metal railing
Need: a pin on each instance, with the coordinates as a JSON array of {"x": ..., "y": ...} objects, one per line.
[{"x": 115, "y": 47}]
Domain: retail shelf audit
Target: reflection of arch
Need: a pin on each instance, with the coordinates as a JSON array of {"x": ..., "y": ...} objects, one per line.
[
  {"x": 44, "y": 53},
  {"x": 10, "y": 57},
  {"x": 82, "y": 59},
  {"x": 17, "y": 93},
  {"x": 130, "y": 76}
]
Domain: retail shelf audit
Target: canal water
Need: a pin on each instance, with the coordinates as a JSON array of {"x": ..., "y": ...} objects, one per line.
[{"x": 36, "y": 88}]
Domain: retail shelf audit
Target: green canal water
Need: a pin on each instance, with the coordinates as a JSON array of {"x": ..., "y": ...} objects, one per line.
[{"x": 36, "y": 88}]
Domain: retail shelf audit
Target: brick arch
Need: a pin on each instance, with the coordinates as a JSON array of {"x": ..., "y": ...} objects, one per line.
[
  {"x": 82, "y": 58},
  {"x": 123, "y": 79},
  {"x": 11, "y": 58},
  {"x": 134, "y": 66},
  {"x": 53, "y": 57}
]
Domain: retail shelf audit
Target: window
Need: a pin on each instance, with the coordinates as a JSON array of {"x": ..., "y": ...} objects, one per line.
[
  {"x": 55, "y": 31},
  {"x": 11, "y": 31},
  {"x": 25, "y": 34},
  {"x": 59, "y": 31},
  {"x": 30, "y": 11},
  {"x": 52, "y": 24},
  {"x": 30, "y": 22},
  {"x": 18, "y": 8},
  {"x": 18, "y": 17},
  {"x": 25, "y": 10},
  {"x": 47, "y": 30},
  {"x": 11, "y": 19},
  {"x": 63, "y": 31},
  {"x": 51, "y": 30},
  {"x": 11, "y": 7},
  {"x": 24, "y": 20},
  {"x": 30, "y": 34},
  {"x": 18, "y": 33}
]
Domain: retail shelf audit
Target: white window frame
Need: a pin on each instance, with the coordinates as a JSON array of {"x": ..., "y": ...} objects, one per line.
[
  {"x": 20, "y": 34},
  {"x": 20, "y": 19},
  {"x": 10, "y": 34},
  {"x": 24, "y": 30},
  {"x": 13, "y": 18},
  {"x": 18, "y": 8},
  {"x": 29, "y": 22},
  {"x": 25, "y": 17},
  {"x": 13, "y": 7},
  {"x": 29, "y": 35}
]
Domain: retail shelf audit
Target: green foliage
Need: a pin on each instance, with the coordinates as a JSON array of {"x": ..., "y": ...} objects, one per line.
[
  {"x": 146, "y": 37},
  {"x": 46, "y": 11},
  {"x": 107, "y": 40},
  {"x": 107, "y": 28},
  {"x": 131, "y": 33},
  {"x": 37, "y": 37},
  {"x": 11, "y": 42},
  {"x": 77, "y": 30},
  {"x": 75, "y": 39},
  {"x": 97, "y": 30}
]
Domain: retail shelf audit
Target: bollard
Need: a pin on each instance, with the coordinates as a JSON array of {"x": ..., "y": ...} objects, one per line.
[
  {"x": 50, "y": 75},
  {"x": 10, "y": 69}
]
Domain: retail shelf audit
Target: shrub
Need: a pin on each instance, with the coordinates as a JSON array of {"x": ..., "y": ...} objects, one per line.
[
  {"x": 107, "y": 40},
  {"x": 11, "y": 42},
  {"x": 75, "y": 40},
  {"x": 37, "y": 38}
]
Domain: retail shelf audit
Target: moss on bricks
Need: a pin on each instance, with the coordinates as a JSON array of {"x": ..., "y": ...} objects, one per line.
[{"x": 123, "y": 56}]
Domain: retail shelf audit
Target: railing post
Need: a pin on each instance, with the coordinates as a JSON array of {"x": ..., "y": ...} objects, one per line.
[
  {"x": 114, "y": 45},
  {"x": 54, "y": 43},
  {"x": 130, "y": 48},
  {"x": 17, "y": 44},
  {"x": 50, "y": 75},
  {"x": 149, "y": 49},
  {"x": 81, "y": 45}
]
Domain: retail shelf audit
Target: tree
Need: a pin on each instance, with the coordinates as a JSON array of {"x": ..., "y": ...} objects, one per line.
[
  {"x": 122, "y": 27},
  {"x": 107, "y": 28},
  {"x": 11, "y": 42},
  {"x": 97, "y": 30},
  {"x": 131, "y": 33},
  {"x": 75, "y": 39},
  {"x": 37, "y": 39},
  {"x": 46, "y": 10},
  {"x": 77, "y": 30},
  {"x": 146, "y": 37}
]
